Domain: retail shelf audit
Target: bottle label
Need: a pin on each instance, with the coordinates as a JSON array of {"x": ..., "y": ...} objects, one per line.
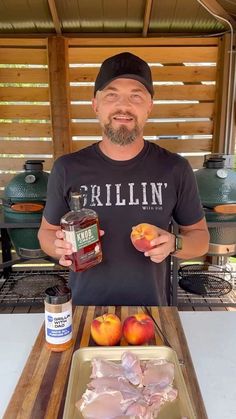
[
  {"x": 82, "y": 238},
  {"x": 58, "y": 327}
]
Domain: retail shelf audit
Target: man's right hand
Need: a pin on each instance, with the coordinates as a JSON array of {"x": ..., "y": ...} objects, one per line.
[{"x": 62, "y": 248}]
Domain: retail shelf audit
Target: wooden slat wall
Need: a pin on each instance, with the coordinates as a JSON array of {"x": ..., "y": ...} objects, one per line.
[
  {"x": 175, "y": 122},
  {"x": 26, "y": 125}
]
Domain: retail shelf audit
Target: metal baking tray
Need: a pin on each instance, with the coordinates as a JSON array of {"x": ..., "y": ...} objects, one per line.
[{"x": 81, "y": 370}]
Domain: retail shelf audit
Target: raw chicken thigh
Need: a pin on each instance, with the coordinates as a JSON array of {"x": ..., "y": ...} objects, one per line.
[
  {"x": 104, "y": 368},
  {"x": 159, "y": 375},
  {"x": 128, "y": 389},
  {"x": 105, "y": 405},
  {"x": 131, "y": 368}
]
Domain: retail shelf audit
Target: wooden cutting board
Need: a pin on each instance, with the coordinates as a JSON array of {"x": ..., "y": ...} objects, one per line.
[{"x": 41, "y": 390}]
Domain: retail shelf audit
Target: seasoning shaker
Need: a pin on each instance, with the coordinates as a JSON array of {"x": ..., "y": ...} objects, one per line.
[{"x": 58, "y": 318}]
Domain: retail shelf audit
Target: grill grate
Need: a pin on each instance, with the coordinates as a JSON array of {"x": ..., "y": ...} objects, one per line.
[
  {"x": 206, "y": 280},
  {"x": 186, "y": 299},
  {"x": 27, "y": 288}
]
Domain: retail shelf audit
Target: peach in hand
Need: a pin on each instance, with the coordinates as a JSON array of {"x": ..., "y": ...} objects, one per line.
[
  {"x": 106, "y": 330},
  {"x": 138, "y": 329},
  {"x": 142, "y": 235}
]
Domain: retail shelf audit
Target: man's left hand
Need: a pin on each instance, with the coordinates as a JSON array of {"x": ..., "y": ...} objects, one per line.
[{"x": 163, "y": 245}]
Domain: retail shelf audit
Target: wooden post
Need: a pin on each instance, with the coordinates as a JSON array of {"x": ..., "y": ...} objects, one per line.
[
  {"x": 233, "y": 87},
  {"x": 59, "y": 89},
  {"x": 222, "y": 86}
]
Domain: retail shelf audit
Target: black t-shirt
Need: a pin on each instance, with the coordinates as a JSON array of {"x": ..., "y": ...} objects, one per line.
[{"x": 153, "y": 187}]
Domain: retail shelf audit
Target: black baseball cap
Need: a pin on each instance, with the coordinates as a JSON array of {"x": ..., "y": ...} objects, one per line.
[{"x": 127, "y": 66}]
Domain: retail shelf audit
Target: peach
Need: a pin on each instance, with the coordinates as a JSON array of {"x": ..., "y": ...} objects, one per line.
[
  {"x": 138, "y": 329},
  {"x": 106, "y": 330},
  {"x": 142, "y": 235}
]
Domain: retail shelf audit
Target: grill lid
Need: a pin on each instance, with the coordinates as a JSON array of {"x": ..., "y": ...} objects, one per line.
[
  {"x": 216, "y": 183},
  {"x": 28, "y": 186}
]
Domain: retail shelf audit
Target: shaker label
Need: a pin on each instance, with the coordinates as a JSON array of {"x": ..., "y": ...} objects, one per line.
[
  {"x": 58, "y": 327},
  {"x": 82, "y": 238}
]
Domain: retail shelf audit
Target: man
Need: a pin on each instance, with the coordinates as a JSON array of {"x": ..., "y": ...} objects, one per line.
[{"x": 127, "y": 181}]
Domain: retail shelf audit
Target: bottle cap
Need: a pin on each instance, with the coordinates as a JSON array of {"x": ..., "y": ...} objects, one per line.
[
  {"x": 59, "y": 294},
  {"x": 77, "y": 200}
]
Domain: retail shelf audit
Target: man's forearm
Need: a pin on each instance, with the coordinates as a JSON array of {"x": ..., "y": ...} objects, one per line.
[
  {"x": 47, "y": 239},
  {"x": 194, "y": 244}
]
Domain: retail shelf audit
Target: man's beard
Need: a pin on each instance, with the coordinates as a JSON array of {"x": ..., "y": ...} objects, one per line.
[{"x": 121, "y": 135}]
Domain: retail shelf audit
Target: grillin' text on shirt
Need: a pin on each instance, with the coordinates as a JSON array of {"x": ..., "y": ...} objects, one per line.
[{"x": 143, "y": 193}]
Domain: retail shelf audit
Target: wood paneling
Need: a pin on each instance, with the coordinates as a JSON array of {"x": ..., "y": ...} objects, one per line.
[
  {"x": 25, "y": 130},
  {"x": 144, "y": 42},
  {"x": 23, "y": 56},
  {"x": 23, "y": 75},
  {"x": 25, "y": 111},
  {"x": 183, "y": 110},
  {"x": 24, "y": 147},
  {"x": 24, "y": 94},
  {"x": 23, "y": 42},
  {"x": 178, "y": 54},
  {"x": 19, "y": 119},
  {"x": 179, "y": 128}
]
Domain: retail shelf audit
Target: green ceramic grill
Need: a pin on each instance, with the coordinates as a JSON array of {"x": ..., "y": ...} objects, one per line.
[
  {"x": 23, "y": 201},
  {"x": 217, "y": 189}
]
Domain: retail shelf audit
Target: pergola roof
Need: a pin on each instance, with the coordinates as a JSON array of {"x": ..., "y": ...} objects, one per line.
[{"x": 115, "y": 17}]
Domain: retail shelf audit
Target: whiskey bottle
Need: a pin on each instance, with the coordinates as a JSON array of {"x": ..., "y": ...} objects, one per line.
[{"x": 81, "y": 229}]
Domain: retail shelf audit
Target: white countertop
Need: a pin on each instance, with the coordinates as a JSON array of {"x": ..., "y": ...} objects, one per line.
[
  {"x": 211, "y": 339},
  {"x": 18, "y": 333}
]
